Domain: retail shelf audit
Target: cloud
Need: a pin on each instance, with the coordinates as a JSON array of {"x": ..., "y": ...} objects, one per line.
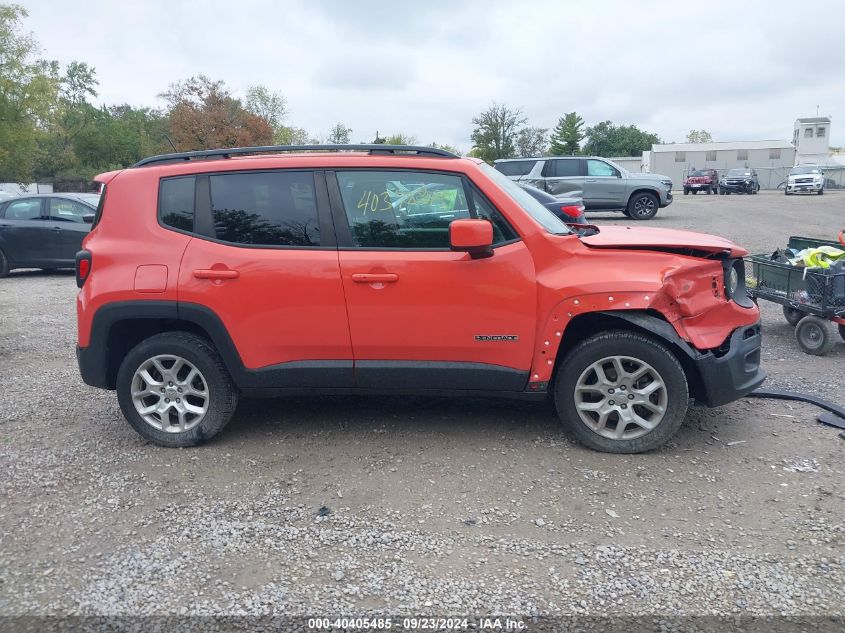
[{"x": 427, "y": 68}]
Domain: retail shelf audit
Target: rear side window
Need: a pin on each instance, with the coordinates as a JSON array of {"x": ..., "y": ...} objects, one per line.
[
  {"x": 265, "y": 208},
  {"x": 176, "y": 203},
  {"x": 562, "y": 168},
  {"x": 516, "y": 167}
]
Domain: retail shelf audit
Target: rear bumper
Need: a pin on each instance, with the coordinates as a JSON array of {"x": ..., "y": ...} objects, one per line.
[{"x": 735, "y": 373}]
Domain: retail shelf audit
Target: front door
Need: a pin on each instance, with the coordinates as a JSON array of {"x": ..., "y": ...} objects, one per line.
[
  {"x": 604, "y": 187},
  {"x": 420, "y": 315},
  {"x": 268, "y": 270}
]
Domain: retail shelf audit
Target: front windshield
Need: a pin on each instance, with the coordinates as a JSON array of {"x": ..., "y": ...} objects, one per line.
[
  {"x": 739, "y": 172},
  {"x": 804, "y": 169},
  {"x": 541, "y": 214},
  {"x": 699, "y": 172}
]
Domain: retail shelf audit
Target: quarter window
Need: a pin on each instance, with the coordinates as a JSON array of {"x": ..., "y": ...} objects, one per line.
[
  {"x": 24, "y": 210},
  {"x": 176, "y": 203},
  {"x": 412, "y": 210},
  {"x": 265, "y": 208}
]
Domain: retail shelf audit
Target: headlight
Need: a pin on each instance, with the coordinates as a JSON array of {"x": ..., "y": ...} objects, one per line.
[
  {"x": 666, "y": 183},
  {"x": 735, "y": 282}
]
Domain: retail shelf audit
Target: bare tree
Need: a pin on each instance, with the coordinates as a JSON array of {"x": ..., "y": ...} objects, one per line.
[{"x": 495, "y": 132}]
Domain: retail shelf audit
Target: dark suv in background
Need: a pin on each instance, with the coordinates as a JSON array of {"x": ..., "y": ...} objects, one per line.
[
  {"x": 739, "y": 180},
  {"x": 605, "y": 186}
]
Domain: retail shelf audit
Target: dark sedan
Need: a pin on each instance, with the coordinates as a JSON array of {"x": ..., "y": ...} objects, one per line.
[
  {"x": 44, "y": 230},
  {"x": 569, "y": 208}
]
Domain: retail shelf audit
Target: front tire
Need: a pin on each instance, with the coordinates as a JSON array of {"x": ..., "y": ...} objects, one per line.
[
  {"x": 686, "y": 191},
  {"x": 643, "y": 206},
  {"x": 821, "y": 192},
  {"x": 621, "y": 392},
  {"x": 4, "y": 265},
  {"x": 815, "y": 335},
  {"x": 174, "y": 390}
]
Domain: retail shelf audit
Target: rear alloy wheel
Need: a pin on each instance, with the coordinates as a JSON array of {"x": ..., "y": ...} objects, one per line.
[
  {"x": 815, "y": 335},
  {"x": 174, "y": 390},
  {"x": 621, "y": 392},
  {"x": 4, "y": 265},
  {"x": 792, "y": 315},
  {"x": 642, "y": 206}
]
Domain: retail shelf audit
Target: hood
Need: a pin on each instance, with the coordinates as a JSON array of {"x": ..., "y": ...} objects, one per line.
[{"x": 664, "y": 240}]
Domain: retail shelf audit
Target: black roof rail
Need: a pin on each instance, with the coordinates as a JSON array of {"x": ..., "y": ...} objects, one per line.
[{"x": 265, "y": 149}]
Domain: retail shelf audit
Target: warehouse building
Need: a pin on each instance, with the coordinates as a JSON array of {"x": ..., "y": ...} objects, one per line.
[{"x": 771, "y": 159}]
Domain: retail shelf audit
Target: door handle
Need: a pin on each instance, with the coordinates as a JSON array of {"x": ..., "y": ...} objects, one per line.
[
  {"x": 57, "y": 228},
  {"x": 372, "y": 278},
  {"x": 210, "y": 273},
  {"x": 591, "y": 180}
]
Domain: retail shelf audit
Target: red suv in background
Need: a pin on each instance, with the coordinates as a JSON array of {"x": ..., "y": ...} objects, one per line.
[
  {"x": 702, "y": 180},
  {"x": 395, "y": 269}
]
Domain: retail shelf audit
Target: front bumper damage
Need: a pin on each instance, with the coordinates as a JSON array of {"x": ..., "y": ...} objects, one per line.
[{"x": 732, "y": 371}]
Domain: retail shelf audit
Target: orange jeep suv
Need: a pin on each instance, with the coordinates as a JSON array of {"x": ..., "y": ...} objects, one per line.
[{"x": 396, "y": 269}]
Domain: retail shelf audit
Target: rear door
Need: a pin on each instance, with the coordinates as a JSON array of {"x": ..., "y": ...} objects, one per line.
[
  {"x": 420, "y": 315},
  {"x": 604, "y": 187},
  {"x": 264, "y": 261},
  {"x": 22, "y": 232},
  {"x": 65, "y": 227},
  {"x": 563, "y": 176}
]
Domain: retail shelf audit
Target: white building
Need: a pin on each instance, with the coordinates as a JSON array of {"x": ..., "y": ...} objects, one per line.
[
  {"x": 810, "y": 138},
  {"x": 771, "y": 159}
]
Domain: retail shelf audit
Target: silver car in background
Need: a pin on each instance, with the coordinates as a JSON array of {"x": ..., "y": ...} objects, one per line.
[{"x": 605, "y": 186}]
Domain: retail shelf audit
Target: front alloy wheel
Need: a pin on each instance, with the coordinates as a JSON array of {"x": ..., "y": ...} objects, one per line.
[
  {"x": 643, "y": 206},
  {"x": 620, "y": 397},
  {"x": 621, "y": 392}
]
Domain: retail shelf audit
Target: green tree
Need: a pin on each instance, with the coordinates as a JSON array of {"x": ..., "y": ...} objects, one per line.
[
  {"x": 339, "y": 134},
  {"x": 29, "y": 91},
  {"x": 699, "y": 136},
  {"x": 567, "y": 135},
  {"x": 531, "y": 141},
  {"x": 448, "y": 148},
  {"x": 607, "y": 139},
  {"x": 270, "y": 106},
  {"x": 495, "y": 131},
  {"x": 400, "y": 138}
]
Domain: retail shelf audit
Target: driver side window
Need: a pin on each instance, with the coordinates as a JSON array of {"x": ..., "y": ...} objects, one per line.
[
  {"x": 410, "y": 210},
  {"x": 600, "y": 168}
]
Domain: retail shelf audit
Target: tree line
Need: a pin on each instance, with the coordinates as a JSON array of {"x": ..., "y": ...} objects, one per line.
[{"x": 51, "y": 131}]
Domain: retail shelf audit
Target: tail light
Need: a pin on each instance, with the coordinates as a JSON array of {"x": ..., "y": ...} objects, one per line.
[
  {"x": 83, "y": 267},
  {"x": 572, "y": 211}
]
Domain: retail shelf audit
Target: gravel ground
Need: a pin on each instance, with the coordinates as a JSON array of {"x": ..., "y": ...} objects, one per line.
[{"x": 408, "y": 505}]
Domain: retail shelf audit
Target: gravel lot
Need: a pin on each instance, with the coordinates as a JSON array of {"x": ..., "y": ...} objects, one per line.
[{"x": 432, "y": 506}]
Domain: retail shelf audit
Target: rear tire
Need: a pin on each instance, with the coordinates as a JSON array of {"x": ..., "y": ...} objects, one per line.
[
  {"x": 815, "y": 335},
  {"x": 4, "y": 265},
  {"x": 210, "y": 391},
  {"x": 686, "y": 191},
  {"x": 643, "y": 206},
  {"x": 792, "y": 315},
  {"x": 587, "y": 408}
]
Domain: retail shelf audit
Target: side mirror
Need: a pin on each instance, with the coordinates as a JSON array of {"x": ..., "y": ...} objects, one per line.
[
  {"x": 472, "y": 236},
  {"x": 88, "y": 218}
]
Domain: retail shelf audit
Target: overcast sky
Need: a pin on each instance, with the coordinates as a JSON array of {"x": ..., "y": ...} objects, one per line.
[{"x": 741, "y": 70}]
